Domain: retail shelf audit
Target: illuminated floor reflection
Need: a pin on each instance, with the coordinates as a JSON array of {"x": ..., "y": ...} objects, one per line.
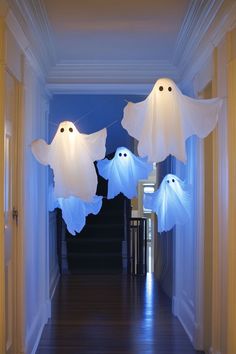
[{"x": 112, "y": 314}]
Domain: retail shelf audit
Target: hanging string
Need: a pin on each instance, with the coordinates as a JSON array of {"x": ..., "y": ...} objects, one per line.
[
  {"x": 112, "y": 123},
  {"x": 87, "y": 114},
  {"x": 82, "y": 117}
]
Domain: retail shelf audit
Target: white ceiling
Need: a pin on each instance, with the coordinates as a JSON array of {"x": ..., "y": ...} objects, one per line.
[
  {"x": 111, "y": 46},
  {"x": 115, "y": 30}
]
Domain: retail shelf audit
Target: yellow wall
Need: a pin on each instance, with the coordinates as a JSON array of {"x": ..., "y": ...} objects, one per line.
[
  {"x": 2, "y": 275},
  {"x": 220, "y": 204},
  {"x": 231, "y": 264}
]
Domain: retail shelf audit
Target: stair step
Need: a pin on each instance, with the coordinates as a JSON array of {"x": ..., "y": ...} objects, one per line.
[
  {"x": 103, "y": 216},
  {"x": 97, "y": 231},
  {"x": 94, "y": 260},
  {"x": 88, "y": 245},
  {"x": 98, "y": 247}
]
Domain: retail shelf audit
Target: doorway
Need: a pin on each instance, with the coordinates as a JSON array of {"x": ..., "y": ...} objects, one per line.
[{"x": 11, "y": 202}]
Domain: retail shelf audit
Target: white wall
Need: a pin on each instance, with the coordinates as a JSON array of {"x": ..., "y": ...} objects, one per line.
[
  {"x": 187, "y": 249},
  {"x": 37, "y": 297},
  {"x": 53, "y": 257},
  {"x": 37, "y": 274},
  {"x": 204, "y": 276}
]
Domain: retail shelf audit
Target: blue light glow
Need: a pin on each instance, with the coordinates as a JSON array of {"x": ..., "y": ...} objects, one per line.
[
  {"x": 123, "y": 172},
  {"x": 171, "y": 202}
]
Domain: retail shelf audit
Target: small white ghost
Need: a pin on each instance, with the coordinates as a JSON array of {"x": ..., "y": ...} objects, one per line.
[
  {"x": 166, "y": 118},
  {"x": 171, "y": 202},
  {"x": 123, "y": 172},
  {"x": 71, "y": 156},
  {"x": 74, "y": 210}
]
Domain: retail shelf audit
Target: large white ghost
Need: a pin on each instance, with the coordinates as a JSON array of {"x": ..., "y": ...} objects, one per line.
[
  {"x": 123, "y": 172},
  {"x": 74, "y": 210},
  {"x": 166, "y": 118},
  {"x": 71, "y": 156},
  {"x": 171, "y": 202}
]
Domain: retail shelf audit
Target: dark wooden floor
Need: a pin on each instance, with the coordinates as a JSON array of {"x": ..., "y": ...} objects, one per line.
[{"x": 112, "y": 314}]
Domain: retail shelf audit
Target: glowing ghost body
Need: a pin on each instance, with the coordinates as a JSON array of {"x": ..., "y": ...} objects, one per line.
[
  {"x": 171, "y": 202},
  {"x": 123, "y": 172},
  {"x": 74, "y": 210},
  {"x": 71, "y": 156},
  {"x": 166, "y": 118}
]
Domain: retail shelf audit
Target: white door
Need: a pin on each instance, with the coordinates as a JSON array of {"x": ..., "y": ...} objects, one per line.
[{"x": 10, "y": 210}]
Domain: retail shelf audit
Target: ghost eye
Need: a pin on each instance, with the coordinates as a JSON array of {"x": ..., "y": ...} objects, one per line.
[
  {"x": 161, "y": 88},
  {"x": 169, "y": 88},
  {"x": 168, "y": 181},
  {"x": 125, "y": 154},
  {"x": 71, "y": 130},
  {"x": 120, "y": 154},
  {"x": 173, "y": 180},
  {"x": 62, "y": 130}
]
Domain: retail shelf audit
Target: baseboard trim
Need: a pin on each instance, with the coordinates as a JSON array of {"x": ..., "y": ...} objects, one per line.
[
  {"x": 35, "y": 332},
  {"x": 54, "y": 283}
]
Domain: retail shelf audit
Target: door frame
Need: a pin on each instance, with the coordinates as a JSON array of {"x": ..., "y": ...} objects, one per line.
[{"x": 19, "y": 254}]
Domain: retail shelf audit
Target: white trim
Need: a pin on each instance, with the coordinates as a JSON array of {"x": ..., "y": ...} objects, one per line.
[
  {"x": 121, "y": 72},
  {"x": 197, "y": 21},
  {"x": 100, "y": 89},
  {"x": 36, "y": 20},
  {"x": 37, "y": 328},
  {"x": 15, "y": 28},
  {"x": 203, "y": 49},
  {"x": 200, "y": 32},
  {"x": 55, "y": 283}
]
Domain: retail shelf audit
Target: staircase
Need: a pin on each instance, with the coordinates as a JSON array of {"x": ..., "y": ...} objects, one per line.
[{"x": 98, "y": 247}]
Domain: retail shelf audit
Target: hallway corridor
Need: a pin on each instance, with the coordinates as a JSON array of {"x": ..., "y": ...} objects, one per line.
[{"x": 112, "y": 314}]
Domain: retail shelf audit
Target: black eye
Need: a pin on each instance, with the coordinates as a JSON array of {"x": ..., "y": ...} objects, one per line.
[
  {"x": 125, "y": 154},
  {"x": 168, "y": 181},
  {"x": 120, "y": 154},
  {"x": 169, "y": 88},
  {"x": 62, "y": 130},
  {"x": 161, "y": 88},
  {"x": 71, "y": 130},
  {"x": 173, "y": 180}
]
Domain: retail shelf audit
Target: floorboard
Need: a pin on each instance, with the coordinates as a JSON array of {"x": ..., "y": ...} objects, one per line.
[{"x": 112, "y": 314}]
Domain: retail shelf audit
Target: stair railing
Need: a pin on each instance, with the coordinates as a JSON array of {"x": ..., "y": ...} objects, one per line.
[{"x": 137, "y": 246}]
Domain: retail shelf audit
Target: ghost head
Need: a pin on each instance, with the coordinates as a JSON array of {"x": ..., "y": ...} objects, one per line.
[
  {"x": 166, "y": 118},
  {"x": 123, "y": 172},
  {"x": 71, "y": 156},
  {"x": 171, "y": 202}
]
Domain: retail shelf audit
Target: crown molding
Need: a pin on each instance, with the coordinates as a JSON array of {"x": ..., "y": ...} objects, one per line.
[
  {"x": 196, "y": 24},
  {"x": 204, "y": 25},
  {"x": 197, "y": 21},
  {"x": 127, "y": 75},
  {"x": 223, "y": 22},
  {"x": 32, "y": 18},
  {"x": 130, "y": 71},
  {"x": 99, "y": 89},
  {"x": 16, "y": 30}
]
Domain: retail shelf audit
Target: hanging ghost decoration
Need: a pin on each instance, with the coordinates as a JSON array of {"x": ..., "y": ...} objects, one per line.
[
  {"x": 71, "y": 156},
  {"x": 171, "y": 202},
  {"x": 166, "y": 118},
  {"x": 123, "y": 172},
  {"x": 74, "y": 210}
]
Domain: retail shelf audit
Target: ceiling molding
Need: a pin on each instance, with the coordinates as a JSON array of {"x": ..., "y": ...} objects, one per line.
[
  {"x": 110, "y": 72},
  {"x": 200, "y": 54},
  {"x": 197, "y": 21},
  {"x": 16, "y": 30},
  {"x": 35, "y": 25},
  {"x": 100, "y": 89},
  {"x": 198, "y": 35},
  {"x": 196, "y": 24}
]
